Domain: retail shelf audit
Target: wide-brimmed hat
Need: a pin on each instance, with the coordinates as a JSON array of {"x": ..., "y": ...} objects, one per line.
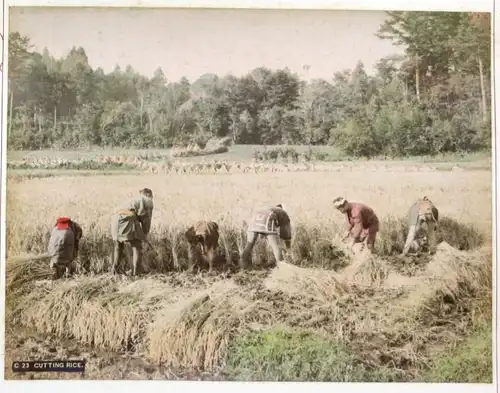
[{"x": 339, "y": 202}]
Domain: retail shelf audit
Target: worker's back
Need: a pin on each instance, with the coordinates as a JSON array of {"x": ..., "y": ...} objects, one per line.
[
  {"x": 422, "y": 207},
  {"x": 62, "y": 244},
  {"x": 268, "y": 220}
]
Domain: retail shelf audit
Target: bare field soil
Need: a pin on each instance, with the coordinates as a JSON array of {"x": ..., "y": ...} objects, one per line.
[{"x": 386, "y": 317}]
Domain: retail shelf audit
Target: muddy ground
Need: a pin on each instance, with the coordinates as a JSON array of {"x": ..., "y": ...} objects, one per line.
[{"x": 28, "y": 345}]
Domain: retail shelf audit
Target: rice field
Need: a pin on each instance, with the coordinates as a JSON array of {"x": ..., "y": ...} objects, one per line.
[{"x": 378, "y": 318}]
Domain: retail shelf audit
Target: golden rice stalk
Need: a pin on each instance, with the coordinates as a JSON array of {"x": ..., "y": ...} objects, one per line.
[
  {"x": 23, "y": 270},
  {"x": 314, "y": 283},
  {"x": 367, "y": 272},
  {"x": 453, "y": 274},
  {"x": 78, "y": 308},
  {"x": 195, "y": 334}
]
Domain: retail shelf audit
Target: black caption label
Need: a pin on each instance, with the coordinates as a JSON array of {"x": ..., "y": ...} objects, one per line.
[{"x": 62, "y": 366}]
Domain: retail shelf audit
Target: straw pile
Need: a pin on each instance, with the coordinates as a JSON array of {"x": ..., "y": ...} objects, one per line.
[{"x": 187, "y": 322}]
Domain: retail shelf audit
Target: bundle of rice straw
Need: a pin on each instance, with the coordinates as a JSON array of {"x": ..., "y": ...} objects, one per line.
[
  {"x": 319, "y": 284},
  {"x": 451, "y": 273},
  {"x": 24, "y": 269},
  {"x": 195, "y": 333},
  {"x": 366, "y": 271}
]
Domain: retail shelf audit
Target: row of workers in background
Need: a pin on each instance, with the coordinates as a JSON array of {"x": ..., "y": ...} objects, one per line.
[{"x": 131, "y": 224}]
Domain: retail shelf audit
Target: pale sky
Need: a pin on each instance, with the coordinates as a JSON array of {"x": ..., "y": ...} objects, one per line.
[{"x": 191, "y": 42}]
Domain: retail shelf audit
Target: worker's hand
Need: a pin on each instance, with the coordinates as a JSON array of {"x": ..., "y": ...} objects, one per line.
[{"x": 346, "y": 235}]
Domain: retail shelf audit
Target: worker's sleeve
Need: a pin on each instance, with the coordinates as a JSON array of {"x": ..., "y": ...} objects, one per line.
[
  {"x": 146, "y": 222},
  {"x": 77, "y": 230},
  {"x": 282, "y": 218},
  {"x": 348, "y": 224},
  {"x": 52, "y": 246},
  {"x": 413, "y": 214},
  {"x": 435, "y": 213},
  {"x": 356, "y": 223},
  {"x": 144, "y": 213},
  {"x": 286, "y": 231},
  {"x": 56, "y": 243},
  {"x": 140, "y": 207},
  {"x": 285, "y": 225}
]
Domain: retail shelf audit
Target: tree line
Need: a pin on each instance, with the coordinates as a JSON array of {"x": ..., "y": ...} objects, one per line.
[{"x": 433, "y": 99}]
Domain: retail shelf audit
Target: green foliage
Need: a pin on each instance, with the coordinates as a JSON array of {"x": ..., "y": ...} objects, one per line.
[
  {"x": 296, "y": 356},
  {"x": 198, "y": 153},
  {"x": 469, "y": 362},
  {"x": 289, "y": 154},
  {"x": 431, "y": 101},
  {"x": 285, "y": 354}
]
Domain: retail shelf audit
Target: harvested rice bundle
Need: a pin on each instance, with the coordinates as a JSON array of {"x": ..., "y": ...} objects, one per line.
[
  {"x": 25, "y": 269},
  {"x": 318, "y": 284},
  {"x": 367, "y": 272},
  {"x": 81, "y": 308},
  {"x": 195, "y": 334},
  {"x": 452, "y": 275}
]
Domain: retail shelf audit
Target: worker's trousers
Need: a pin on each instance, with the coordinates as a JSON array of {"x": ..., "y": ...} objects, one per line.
[
  {"x": 252, "y": 237},
  {"x": 423, "y": 222},
  {"x": 136, "y": 255}
]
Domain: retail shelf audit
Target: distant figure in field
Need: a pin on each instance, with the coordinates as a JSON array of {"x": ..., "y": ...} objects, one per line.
[
  {"x": 362, "y": 223},
  {"x": 63, "y": 246},
  {"x": 273, "y": 223},
  {"x": 131, "y": 223},
  {"x": 204, "y": 235},
  {"x": 423, "y": 217}
]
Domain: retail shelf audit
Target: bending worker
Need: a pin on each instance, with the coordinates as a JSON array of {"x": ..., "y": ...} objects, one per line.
[
  {"x": 362, "y": 223},
  {"x": 63, "y": 246},
  {"x": 131, "y": 223},
  {"x": 423, "y": 215},
  {"x": 204, "y": 235},
  {"x": 273, "y": 223}
]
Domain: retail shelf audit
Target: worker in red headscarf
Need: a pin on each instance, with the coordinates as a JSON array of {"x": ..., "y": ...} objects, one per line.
[
  {"x": 362, "y": 223},
  {"x": 63, "y": 246}
]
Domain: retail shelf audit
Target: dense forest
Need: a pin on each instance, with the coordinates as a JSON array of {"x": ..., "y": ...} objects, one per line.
[{"x": 433, "y": 99}]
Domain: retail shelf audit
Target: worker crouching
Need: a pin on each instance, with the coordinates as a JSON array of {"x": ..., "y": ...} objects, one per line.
[
  {"x": 204, "y": 237},
  {"x": 63, "y": 247},
  {"x": 362, "y": 223},
  {"x": 273, "y": 223},
  {"x": 131, "y": 224},
  {"x": 422, "y": 219}
]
